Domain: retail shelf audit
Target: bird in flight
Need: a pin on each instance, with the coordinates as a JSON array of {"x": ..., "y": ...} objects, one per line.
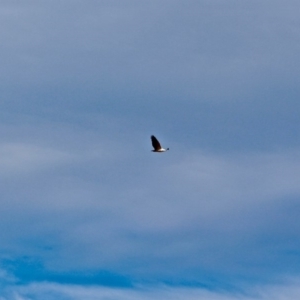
[{"x": 156, "y": 145}]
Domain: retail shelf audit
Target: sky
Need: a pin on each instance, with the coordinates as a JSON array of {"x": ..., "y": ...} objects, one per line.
[{"x": 88, "y": 211}]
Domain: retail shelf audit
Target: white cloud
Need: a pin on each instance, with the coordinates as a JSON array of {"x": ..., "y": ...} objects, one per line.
[
  {"x": 281, "y": 291},
  {"x": 209, "y": 206},
  {"x": 208, "y": 188},
  {"x": 201, "y": 211},
  {"x": 170, "y": 47},
  {"x": 16, "y": 158},
  {"x": 86, "y": 188}
]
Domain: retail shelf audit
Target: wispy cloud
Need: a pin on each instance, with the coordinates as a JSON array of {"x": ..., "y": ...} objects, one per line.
[
  {"x": 289, "y": 290},
  {"x": 19, "y": 158},
  {"x": 203, "y": 212},
  {"x": 84, "y": 85}
]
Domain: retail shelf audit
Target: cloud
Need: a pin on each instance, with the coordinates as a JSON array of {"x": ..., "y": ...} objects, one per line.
[
  {"x": 199, "y": 49},
  {"x": 84, "y": 86},
  {"x": 230, "y": 68},
  {"x": 288, "y": 290},
  {"x": 18, "y": 158},
  {"x": 202, "y": 216}
]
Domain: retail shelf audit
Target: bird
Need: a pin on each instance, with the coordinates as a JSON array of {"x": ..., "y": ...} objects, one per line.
[{"x": 156, "y": 145}]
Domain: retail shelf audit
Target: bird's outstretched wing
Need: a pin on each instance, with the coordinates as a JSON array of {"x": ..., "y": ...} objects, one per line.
[{"x": 155, "y": 143}]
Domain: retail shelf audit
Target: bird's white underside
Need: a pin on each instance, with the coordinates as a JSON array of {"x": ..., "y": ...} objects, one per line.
[{"x": 161, "y": 150}]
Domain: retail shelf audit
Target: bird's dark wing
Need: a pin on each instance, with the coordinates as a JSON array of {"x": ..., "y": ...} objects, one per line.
[{"x": 155, "y": 143}]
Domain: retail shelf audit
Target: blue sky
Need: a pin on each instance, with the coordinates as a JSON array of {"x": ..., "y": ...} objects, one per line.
[{"x": 88, "y": 211}]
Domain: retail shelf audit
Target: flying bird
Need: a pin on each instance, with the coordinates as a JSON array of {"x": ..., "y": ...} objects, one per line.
[{"x": 156, "y": 145}]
